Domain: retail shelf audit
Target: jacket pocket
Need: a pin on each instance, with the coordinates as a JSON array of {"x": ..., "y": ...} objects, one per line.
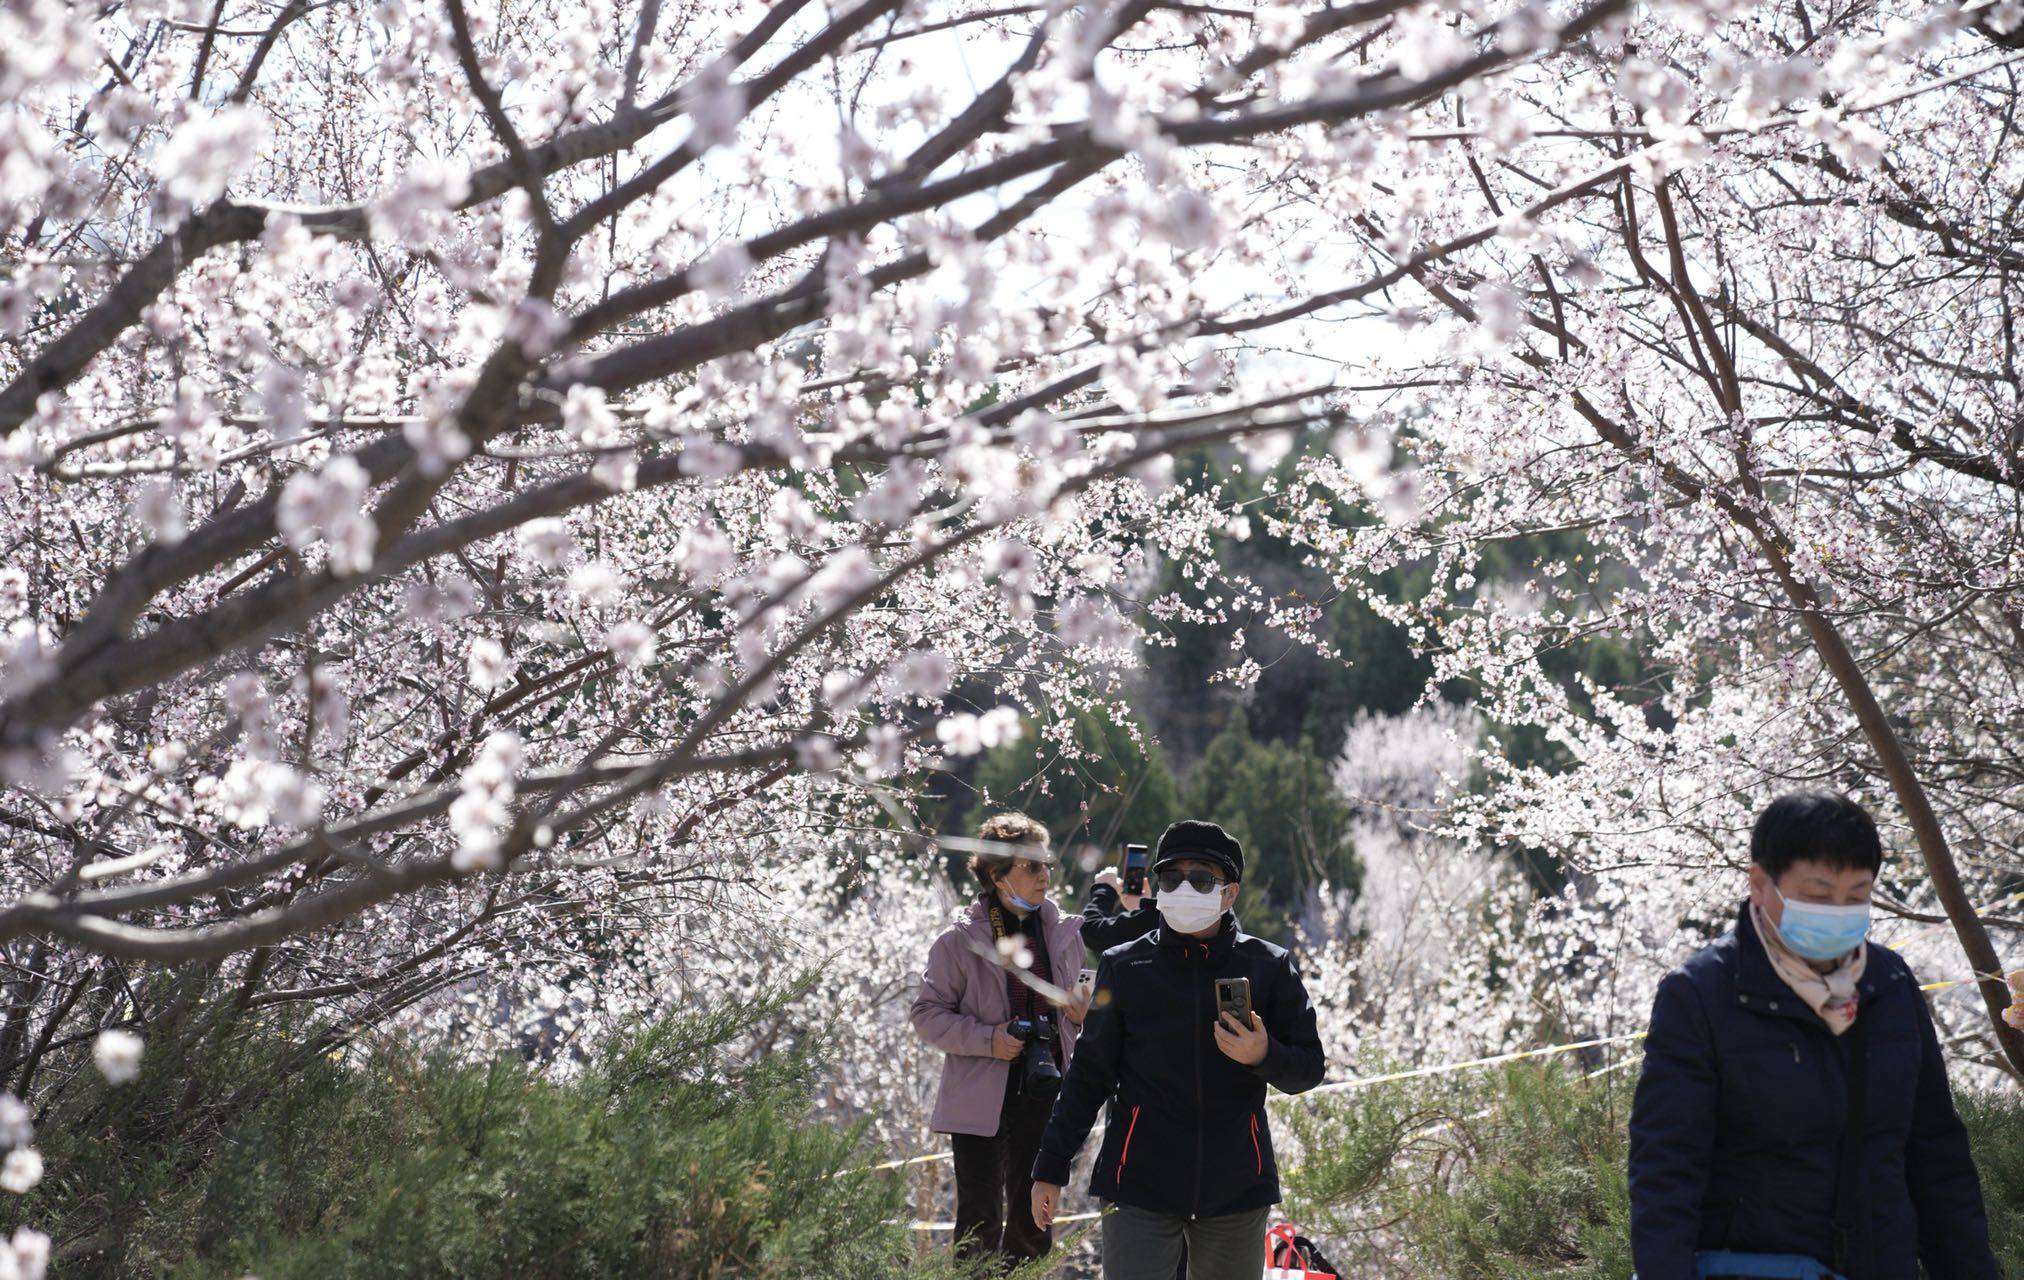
[
  {"x": 1124, "y": 1152},
  {"x": 1894, "y": 1064},
  {"x": 1775, "y": 1093}
]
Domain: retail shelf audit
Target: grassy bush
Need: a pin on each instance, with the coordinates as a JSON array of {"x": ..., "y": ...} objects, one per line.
[
  {"x": 1996, "y": 1129},
  {"x": 671, "y": 1157},
  {"x": 1521, "y": 1173},
  {"x": 675, "y": 1156},
  {"x": 1513, "y": 1173}
]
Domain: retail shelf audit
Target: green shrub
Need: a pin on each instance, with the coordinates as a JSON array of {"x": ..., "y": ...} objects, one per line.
[
  {"x": 669, "y": 1157},
  {"x": 1513, "y": 1173},
  {"x": 1995, "y": 1123},
  {"x": 1521, "y": 1173}
]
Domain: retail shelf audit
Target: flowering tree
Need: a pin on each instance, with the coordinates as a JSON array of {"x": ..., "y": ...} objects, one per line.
[
  {"x": 480, "y": 481},
  {"x": 1744, "y": 321},
  {"x": 373, "y": 435}
]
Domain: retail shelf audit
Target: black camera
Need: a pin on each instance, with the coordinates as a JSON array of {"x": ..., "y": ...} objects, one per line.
[{"x": 1042, "y": 1077}]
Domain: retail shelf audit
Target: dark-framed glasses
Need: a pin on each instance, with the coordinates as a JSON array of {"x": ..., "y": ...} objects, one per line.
[{"x": 1171, "y": 878}]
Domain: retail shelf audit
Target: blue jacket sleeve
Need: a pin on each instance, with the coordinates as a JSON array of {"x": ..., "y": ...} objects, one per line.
[
  {"x": 1294, "y": 1061},
  {"x": 1090, "y": 1080},
  {"x": 1672, "y": 1134},
  {"x": 1940, "y": 1174}
]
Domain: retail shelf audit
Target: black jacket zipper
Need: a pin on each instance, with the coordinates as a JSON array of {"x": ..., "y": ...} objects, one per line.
[
  {"x": 1195, "y": 980},
  {"x": 1125, "y": 1154}
]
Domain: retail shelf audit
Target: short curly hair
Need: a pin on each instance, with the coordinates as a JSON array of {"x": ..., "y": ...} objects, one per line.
[{"x": 1004, "y": 828}]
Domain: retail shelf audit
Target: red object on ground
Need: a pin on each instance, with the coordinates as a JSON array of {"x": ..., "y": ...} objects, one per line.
[{"x": 1289, "y": 1257}]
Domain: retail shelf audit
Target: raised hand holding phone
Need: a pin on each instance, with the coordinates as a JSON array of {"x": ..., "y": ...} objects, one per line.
[{"x": 1132, "y": 887}]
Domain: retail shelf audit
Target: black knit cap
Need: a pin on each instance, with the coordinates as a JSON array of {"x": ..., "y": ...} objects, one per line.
[{"x": 1203, "y": 840}]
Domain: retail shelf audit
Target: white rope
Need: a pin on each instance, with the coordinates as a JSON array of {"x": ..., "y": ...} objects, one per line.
[
  {"x": 950, "y": 1226},
  {"x": 1361, "y": 1082}
]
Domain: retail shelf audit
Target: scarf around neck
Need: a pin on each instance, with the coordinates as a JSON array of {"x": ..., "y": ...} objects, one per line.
[
  {"x": 1832, "y": 995},
  {"x": 1005, "y": 923}
]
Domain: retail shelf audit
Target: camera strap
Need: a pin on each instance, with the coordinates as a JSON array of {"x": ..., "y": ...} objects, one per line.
[
  {"x": 1022, "y": 999},
  {"x": 1019, "y": 996}
]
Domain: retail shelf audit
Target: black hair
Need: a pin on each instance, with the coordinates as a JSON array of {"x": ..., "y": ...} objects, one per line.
[{"x": 1816, "y": 826}]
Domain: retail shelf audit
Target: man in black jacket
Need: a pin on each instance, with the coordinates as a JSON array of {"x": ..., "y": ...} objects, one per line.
[
  {"x": 1188, "y": 1155},
  {"x": 1113, "y": 917},
  {"x": 1740, "y": 1138}
]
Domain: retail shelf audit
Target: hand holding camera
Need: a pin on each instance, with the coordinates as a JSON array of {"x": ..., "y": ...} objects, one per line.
[
  {"x": 1004, "y": 1045},
  {"x": 1042, "y": 1079}
]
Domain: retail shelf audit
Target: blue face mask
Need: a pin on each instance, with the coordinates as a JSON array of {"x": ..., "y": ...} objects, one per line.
[
  {"x": 1021, "y": 903},
  {"x": 1820, "y": 932}
]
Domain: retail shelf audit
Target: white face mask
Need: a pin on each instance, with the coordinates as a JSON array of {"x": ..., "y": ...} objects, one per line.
[{"x": 1186, "y": 909}]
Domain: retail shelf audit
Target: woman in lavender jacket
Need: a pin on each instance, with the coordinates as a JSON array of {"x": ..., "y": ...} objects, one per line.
[{"x": 966, "y": 1007}]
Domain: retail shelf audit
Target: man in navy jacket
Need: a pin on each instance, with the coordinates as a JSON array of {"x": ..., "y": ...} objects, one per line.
[
  {"x": 1736, "y": 1132},
  {"x": 1188, "y": 1153}
]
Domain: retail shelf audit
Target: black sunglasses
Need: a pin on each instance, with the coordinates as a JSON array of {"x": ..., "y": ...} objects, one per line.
[{"x": 1171, "y": 879}]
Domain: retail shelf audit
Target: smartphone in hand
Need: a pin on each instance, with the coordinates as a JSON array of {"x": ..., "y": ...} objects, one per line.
[
  {"x": 1233, "y": 995},
  {"x": 1135, "y": 858}
]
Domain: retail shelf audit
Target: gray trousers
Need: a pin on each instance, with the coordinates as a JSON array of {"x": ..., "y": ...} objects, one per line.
[{"x": 1139, "y": 1244}]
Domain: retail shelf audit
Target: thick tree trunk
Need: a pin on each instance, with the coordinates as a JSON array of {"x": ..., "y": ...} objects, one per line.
[
  {"x": 1890, "y": 752},
  {"x": 1911, "y": 797}
]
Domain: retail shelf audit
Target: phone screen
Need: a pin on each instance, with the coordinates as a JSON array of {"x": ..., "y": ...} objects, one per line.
[{"x": 1134, "y": 868}]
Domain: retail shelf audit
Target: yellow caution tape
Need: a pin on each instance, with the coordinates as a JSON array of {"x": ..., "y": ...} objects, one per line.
[
  {"x": 1975, "y": 981},
  {"x": 1418, "y": 1073},
  {"x": 1532, "y": 1053},
  {"x": 1067, "y": 1217},
  {"x": 2016, "y": 981},
  {"x": 1364, "y": 1082},
  {"x": 1445, "y": 1125},
  {"x": 900, "y": 1164},
  {"x": 1916, "y": 934},
  {"x": 1361, "y": 1082}
]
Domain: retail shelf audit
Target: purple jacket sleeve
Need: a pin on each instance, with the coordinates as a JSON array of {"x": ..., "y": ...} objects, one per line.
[{"x": 938, "y": 1014}]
